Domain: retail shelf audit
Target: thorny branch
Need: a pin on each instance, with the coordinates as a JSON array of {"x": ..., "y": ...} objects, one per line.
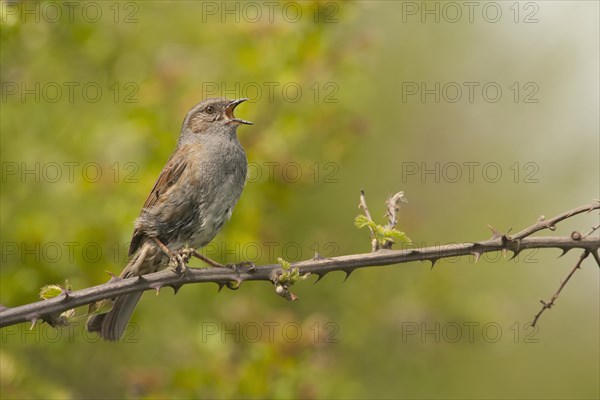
[
  {"x": 574, "y": 236},
  {"x": 542, "y": 223},
  {"x": 547, "y": 305},
  {"x": 50, "y": 310}
]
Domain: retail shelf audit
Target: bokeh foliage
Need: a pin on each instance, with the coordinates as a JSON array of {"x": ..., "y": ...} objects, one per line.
[{"x": 349, "y": 129}]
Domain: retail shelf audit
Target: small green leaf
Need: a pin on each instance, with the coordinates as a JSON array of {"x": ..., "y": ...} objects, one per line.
[
  {"x": 390, "y": 234},
  {"x": 285, "y": 265},
  {"x": 383, "y": 235},
  {"x": 361, "y": 221},
  {"x": 50, "y": 291}
]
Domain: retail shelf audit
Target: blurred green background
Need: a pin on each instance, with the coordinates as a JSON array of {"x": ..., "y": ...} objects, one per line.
[{"x": 344, "y": 96}]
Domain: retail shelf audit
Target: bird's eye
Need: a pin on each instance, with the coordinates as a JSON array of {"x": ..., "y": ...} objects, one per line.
[{"x": 210, "y": 109}]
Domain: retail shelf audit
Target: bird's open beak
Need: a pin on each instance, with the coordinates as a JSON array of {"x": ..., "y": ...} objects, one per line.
[{"x": 229, "y": 112}]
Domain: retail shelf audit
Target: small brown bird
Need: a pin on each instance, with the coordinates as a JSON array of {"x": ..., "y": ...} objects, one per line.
[{"x": 192, "y": 198}]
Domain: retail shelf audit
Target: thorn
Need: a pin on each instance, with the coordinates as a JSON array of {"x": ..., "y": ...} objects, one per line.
[
  {"x": 596, "y": 257},
  {"x": 221, "y": 286},
  {"x": 318, "y": 257},
  {"x": 113, "y": 277},
  {"x": 157, "y": 287},
  {"x": 176, "y": 288},
  {"x": 433, "y": 261},
  {"x": 476, "y": 254},
  {"x": 504, "y": 253},
  {"x": 67, "y": 295},
  {"x": 141, "y": 278},
  {"x": 546, "y": 305},
  {"x": 564, "y": 251},
  {"x": 34, "y": 321},
  {"x": 495, "y": 233},
  {"x": 319, "y": 277},
  {"x": 515, "y": 253},
  {"x": 348, "y": 273}
]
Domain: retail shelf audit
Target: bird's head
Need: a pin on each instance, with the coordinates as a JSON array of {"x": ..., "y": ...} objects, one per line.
[{"x": 212, "y": 116}]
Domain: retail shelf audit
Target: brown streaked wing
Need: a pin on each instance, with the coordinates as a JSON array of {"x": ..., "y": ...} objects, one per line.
[{"x": 169, "y": 175}]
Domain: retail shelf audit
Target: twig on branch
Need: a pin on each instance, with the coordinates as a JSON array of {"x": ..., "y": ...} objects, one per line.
[
  {"x": 363, "y": 205},
  {"x": 594, "y": 228},
  {"x": 393, "y": 204},
  {"x": 542, "y": 223},
  {"x": 382, "y": 237},
  {"x": 50, "y": 310},
  {"x": 594, "y": 252},
  {"x": 547, "y": 305}
]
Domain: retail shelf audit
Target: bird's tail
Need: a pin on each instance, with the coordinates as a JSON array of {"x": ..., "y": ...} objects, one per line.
[{"x": 112, "y": 325}]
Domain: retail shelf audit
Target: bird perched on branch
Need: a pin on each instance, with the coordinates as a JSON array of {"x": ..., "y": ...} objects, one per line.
[{"x": 192, "y": 198}]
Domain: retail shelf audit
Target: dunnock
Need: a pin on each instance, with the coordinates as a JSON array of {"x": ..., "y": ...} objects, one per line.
[{"x": 193, "y": 197}]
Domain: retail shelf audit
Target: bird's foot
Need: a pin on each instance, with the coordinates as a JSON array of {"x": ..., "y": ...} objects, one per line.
[
  {"x": 177, "y": 261},
  {"x": 180, "y": 261},
  {"x": 178, "y": 264}
]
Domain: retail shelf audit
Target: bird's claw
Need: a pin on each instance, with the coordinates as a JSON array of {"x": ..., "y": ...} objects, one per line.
[
  {"x": 232, "y": 267},
  {"x": 179, "y": 262}
]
